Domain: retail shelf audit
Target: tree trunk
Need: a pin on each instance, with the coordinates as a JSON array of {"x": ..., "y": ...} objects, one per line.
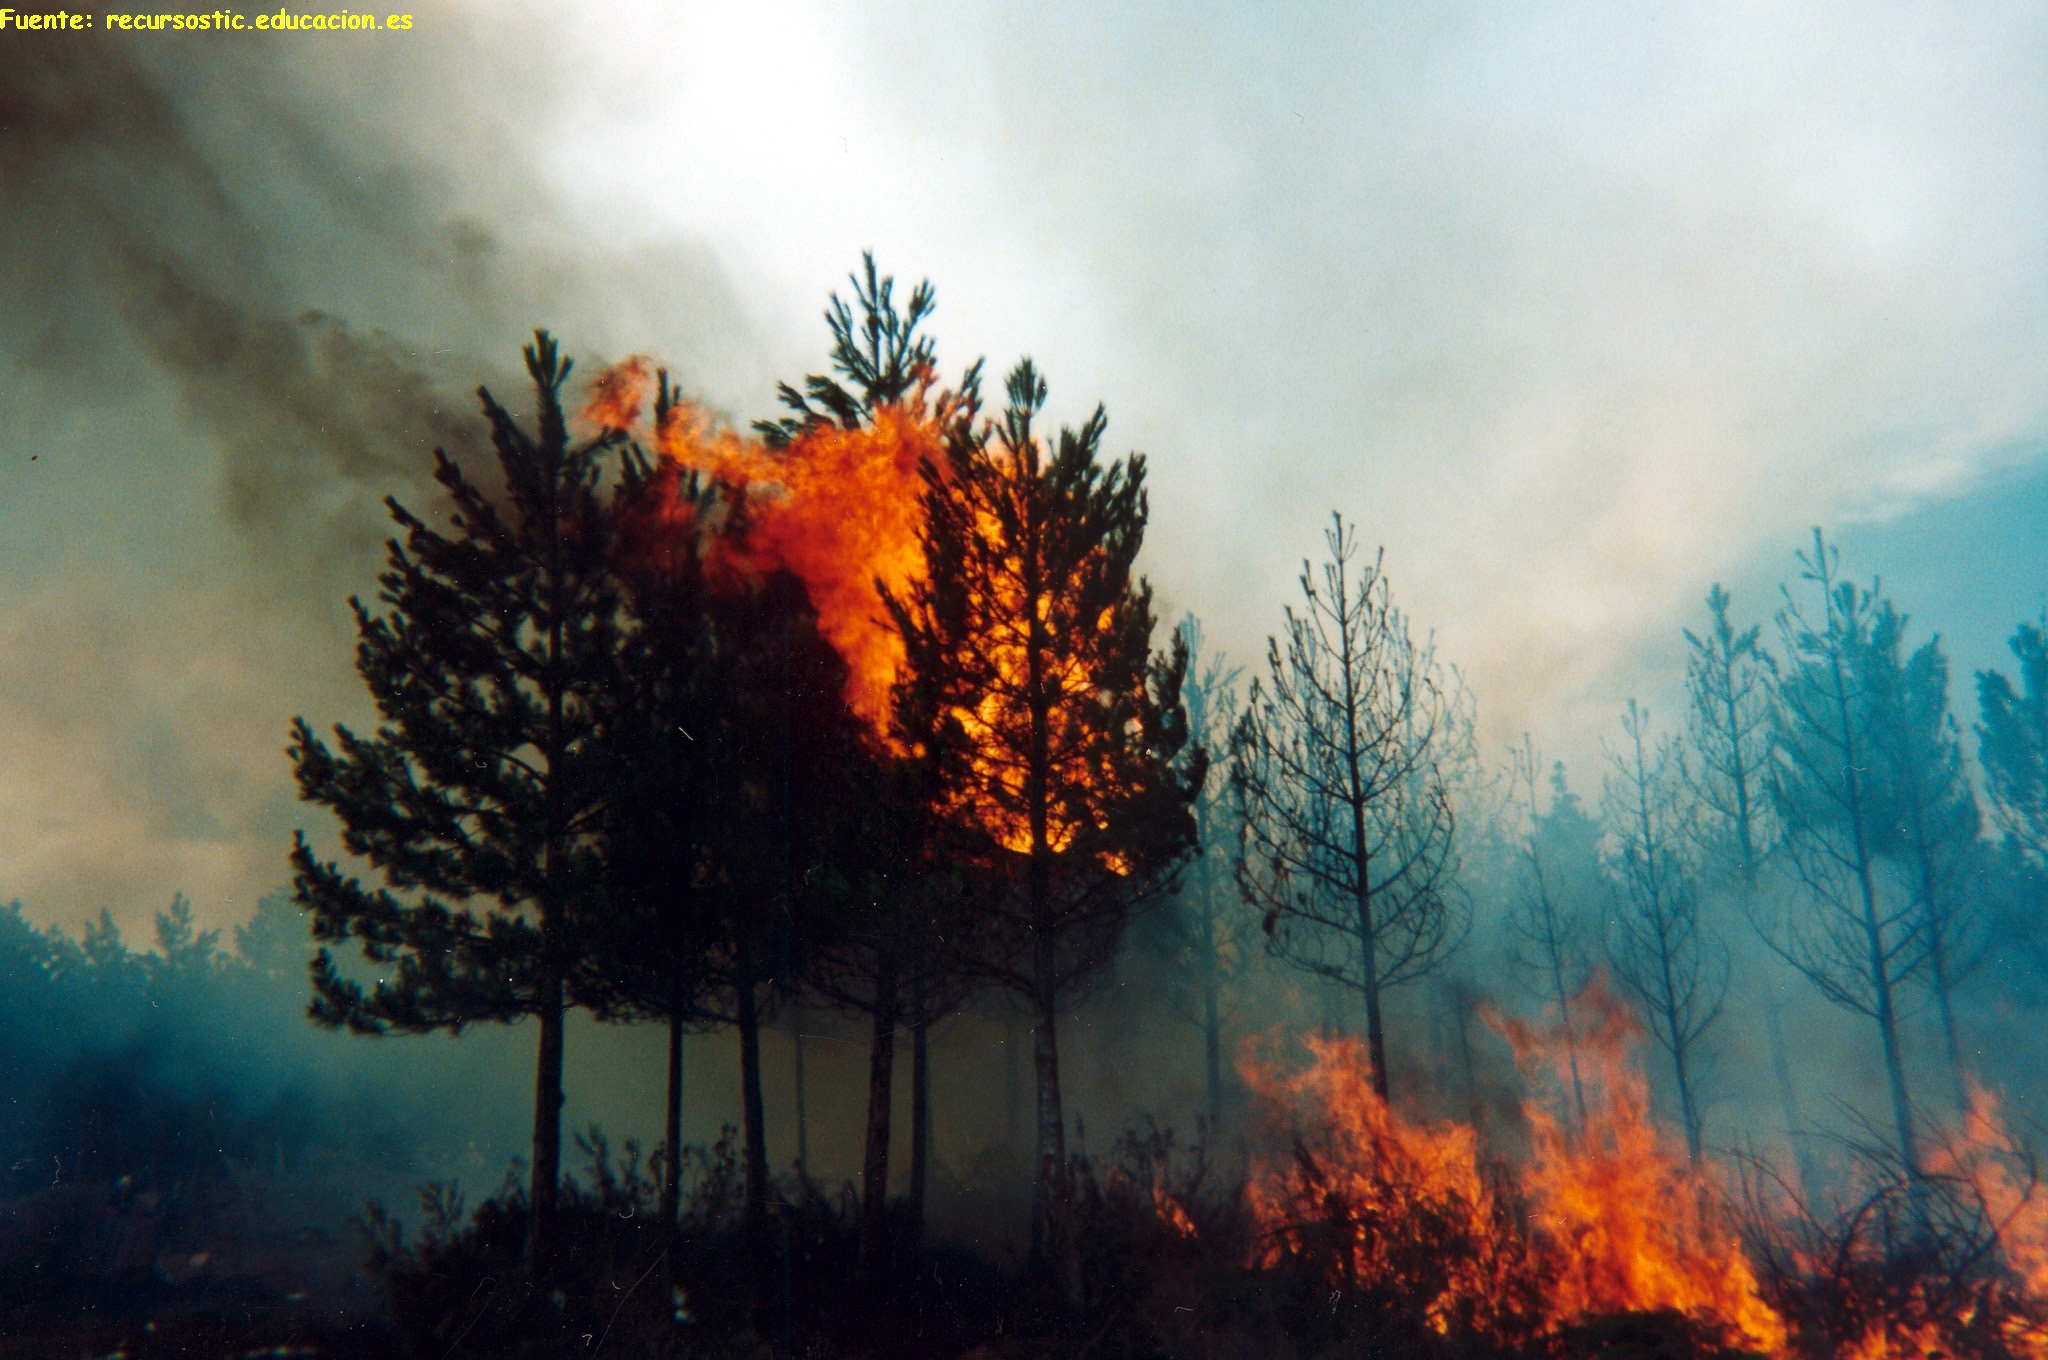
[
  {"x": 1212, "y": 1053},
  {"x": 747, "y": 1009},
  {"x": 547, "y": 1132},
  {"x": 1369, "y": 973},
  {"x": 920, "y": 1112},
  {"x": 803, "y": 1128},
  {"x": 1938, "y": 962},
  {"x": 672, "y": 1168},
  {"x": 874, "y": 1174},
  {"x": 1048, "y": 1191},
  {"x": 1013, "y": 1105},
  {"x": 1688, "y": 1109}
]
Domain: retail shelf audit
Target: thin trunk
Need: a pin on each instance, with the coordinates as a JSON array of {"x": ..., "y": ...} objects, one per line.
[
  {"x": 1375, "y": 1037},
  {"x": 1013, "y": 1104},
  {"x": 1938, "y": 962},
  {"x": 672, "y": 1168},
  {"x": 1688, "y": 1109},
  {"x": 874, "y": 1177},
  {"x": 747, "y": 1009},
  {"x": 1361, "y": 858},
  {"x": 547, "y": 1131},
  {"x": 1049, "y": 1186},
  {"x": 1564, "y": 1017},
  {"x": 1212, "y": 987},
  {"x": 1934, "y": 921},
  {"x": 920, "y": 1112},
  {"x": 1788, "y": 1098},
  {"x": 1474, "y": 1110},
  {"x": 803, "y": 1136},
  {"x": 1212, "y": 1043}
]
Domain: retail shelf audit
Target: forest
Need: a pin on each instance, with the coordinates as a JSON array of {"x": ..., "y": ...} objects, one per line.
[{"x": 835, "y": 797}]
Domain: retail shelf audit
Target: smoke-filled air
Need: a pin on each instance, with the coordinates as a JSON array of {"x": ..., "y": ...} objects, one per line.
[{"x": 944, "y": 682}]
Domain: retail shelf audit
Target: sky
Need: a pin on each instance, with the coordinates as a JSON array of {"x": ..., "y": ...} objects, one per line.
[{"x": 1575, "y": 308}]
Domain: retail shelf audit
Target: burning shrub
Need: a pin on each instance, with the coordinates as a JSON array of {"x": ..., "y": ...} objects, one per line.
[
  {"x": 1398, "y": 1223},
  {"x": 1946, "y": 1263},
  {"x": 1605, "y": 1238}
]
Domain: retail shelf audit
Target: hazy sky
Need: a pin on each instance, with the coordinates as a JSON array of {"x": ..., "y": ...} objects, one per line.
[{"x": 1576, "y": 308}]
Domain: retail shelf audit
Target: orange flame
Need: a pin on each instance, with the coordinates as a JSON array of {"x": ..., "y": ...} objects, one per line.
[
  {"x": 1619, "y": 1221},
  {"x": 618, "y": 393},
  {"x": 840, "y": 508},
  {"x": 1630, "y": 1224}
]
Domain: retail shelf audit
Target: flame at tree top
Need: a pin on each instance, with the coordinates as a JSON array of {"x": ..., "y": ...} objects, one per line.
[{"x": 841, "y": 508}]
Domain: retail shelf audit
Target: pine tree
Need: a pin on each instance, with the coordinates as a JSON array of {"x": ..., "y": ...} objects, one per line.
[
  {"x": 1927, "y": 817},
  {"x": 2012, "y": 742},
  {"x": 1857, "y": 943},
  {"x": 1550, "y": 916},
  {"x": 889, "y": 964},
  {"x": 1053, "y": 731},
  {"x": 1337, "y": 768},
  {"x": 478, "y": 801},
  {"x": 667, "y": 722},
  {"x": 1204, "y": 913},
  {"x": 1660, "y": 952},
  {"x": 1731, "y": 682}
]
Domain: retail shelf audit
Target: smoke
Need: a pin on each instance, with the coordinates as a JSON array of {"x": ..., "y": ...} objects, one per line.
[{"x": 250, "y": 285}]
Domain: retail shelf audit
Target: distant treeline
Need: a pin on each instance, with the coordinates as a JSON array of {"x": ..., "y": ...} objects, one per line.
[{"x": 166, "y": 1063}]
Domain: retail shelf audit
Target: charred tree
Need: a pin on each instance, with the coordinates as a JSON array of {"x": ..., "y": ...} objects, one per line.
[
  {"x": 1055, "y": 732},
  {"x": 1337, "y": 774},
  {"x": 1659, "y": 951},
  {"x": 478, "y": 800},
  {"x": 1856, "y": 942}
]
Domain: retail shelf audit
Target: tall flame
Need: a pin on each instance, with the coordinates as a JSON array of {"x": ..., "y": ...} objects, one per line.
[
  {"x": 1631, "y": 1225},
  {"x": 840, "y": 508},
  {"x": 1620, "y": 1222}
]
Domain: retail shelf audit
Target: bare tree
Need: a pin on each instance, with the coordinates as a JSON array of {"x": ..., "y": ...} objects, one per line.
[
  {"x": 1659, "y": 953},
  {"x": 1854, "y": 941},
  {"x": 1336, "y": 771}
]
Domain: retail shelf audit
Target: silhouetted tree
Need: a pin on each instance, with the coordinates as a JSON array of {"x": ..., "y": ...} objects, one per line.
[
  {"x": 668, "y": 720},
  {"x": 485, "y": 781},
  {"x": 1660, "y": 953},
  {"x": 1336, "y": 772},
  {"x": 2012, "y": 742},
  {"x": 890, "y": 963},
  {"x": 1055, "y": 731},
  {"x": 1855, "y": 942}
]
